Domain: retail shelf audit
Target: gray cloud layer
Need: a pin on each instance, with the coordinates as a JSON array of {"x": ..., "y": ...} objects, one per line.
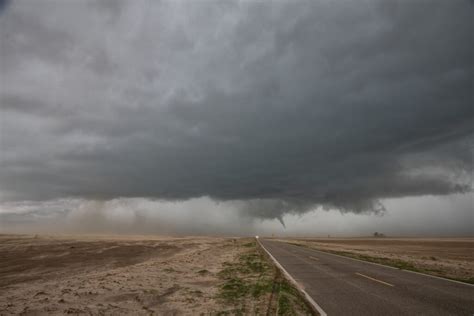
[{"x": 281, "y": 105}]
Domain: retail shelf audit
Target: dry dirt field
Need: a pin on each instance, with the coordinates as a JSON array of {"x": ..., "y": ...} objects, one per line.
[
  {"x": 446, "y": 257},
  {"x": 139, "y": 275}
]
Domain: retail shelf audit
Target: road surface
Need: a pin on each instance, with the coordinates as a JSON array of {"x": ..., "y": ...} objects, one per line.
[{"x": 344, "y": 286}]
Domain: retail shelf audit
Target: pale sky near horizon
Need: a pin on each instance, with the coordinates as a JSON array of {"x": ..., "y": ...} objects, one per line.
[
  {"x": 447, "y": 216},
  {"x": 237, "y": 117}
]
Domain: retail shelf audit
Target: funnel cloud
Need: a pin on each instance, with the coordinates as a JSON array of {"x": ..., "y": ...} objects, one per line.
[{"x": 272, "y": 108}]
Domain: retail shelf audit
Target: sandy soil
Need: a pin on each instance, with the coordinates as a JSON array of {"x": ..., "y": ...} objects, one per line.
[
  {"x": 111, "y": 275},
  {"x": 447, "y": 257}
]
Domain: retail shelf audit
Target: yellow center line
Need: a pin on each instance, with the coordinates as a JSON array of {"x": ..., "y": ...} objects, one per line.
[
  {"x": 365, "y": 276},
  {"x": 314, "y": 258}
]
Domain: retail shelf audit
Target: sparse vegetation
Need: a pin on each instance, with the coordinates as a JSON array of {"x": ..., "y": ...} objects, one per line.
[
  {"x": 289, "y": 299},
  {"x": 252, "y": 285}
]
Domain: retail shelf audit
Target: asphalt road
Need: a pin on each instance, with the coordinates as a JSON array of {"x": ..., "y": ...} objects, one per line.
[{"x": 343, "y": 286}]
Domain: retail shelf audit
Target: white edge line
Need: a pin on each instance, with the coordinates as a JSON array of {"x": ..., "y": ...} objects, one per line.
[
  {"x": 381, "y": 265},
  {"x": 296, "y": 284},
  {"x": 374, "y": 279}
]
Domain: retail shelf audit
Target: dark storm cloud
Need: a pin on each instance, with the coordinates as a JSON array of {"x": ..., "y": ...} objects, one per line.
[
  {"x": 279, "y": 106},
  {"x": 3, "y": 4}
]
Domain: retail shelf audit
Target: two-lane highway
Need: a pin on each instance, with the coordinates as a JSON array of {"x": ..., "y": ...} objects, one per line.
[{"x": 344, "y": 286}]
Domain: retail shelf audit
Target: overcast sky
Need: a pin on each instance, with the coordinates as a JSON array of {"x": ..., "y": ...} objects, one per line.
[{"x": 237, "y": 116}]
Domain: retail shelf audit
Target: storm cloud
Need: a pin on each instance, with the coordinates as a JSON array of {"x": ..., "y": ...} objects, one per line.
[{"x": 276, "y": 107}]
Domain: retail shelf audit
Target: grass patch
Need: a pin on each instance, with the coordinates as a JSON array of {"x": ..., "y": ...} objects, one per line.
[
  {"x": 284, "y": 305},
  {"x": 234, "y": 288},
  {"x": 289, "y": 300},
  {"x": 250, "y": 275},
  {"x": 262, "y": 287},
  {"x": 252, "y": 285}
]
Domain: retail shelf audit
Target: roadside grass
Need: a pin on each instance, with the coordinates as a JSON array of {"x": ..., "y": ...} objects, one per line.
[
  {"x": 252, "y": 285},
  {"x": 289, "y": 300},
  {"x": 396, "y": 263}
]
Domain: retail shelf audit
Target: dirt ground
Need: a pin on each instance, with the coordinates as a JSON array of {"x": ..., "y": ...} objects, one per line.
[
  {"x": 110, "y": 275},
  {"x": 133, "y": 275},
  {"x": 446, "y": 257}
]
